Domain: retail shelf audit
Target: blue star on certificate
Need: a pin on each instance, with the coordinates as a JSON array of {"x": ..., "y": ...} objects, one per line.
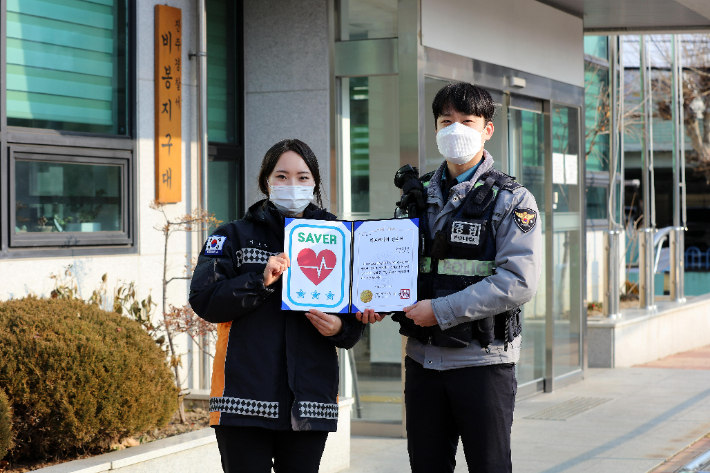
[
  {"x": 315, "y": 294},
  {"x": 301, "y": 293},
  {"x": 330, "y": 295}
]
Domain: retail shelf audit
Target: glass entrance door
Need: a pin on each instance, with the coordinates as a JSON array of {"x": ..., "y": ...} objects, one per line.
[
  {"x": 368, "y": 160},
  {"x": 527, "y": 162},
  {"x": 566, "y": 308},
  {"x": 557, "y": 304}
]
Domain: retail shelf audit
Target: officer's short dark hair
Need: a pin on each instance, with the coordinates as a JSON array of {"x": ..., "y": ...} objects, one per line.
[
  {"x": 464, "y": 98},
  {"x": 272, "y": 157}
]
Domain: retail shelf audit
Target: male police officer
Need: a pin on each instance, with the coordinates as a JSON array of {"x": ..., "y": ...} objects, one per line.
[{"x": 479, "y": 262}]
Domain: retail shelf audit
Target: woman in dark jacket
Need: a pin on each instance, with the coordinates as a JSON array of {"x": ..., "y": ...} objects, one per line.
[{"x": 275, "y": 376}]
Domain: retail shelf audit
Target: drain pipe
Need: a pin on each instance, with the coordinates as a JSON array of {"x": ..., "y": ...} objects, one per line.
[
  {"x": 612, "y": 285},
  {"x": 203, "y": 152},
  {"x": 699, "y": 465},
  {"x": 646, "y": 234},
  {"x": 677, "y": 239},
  {"x": 202, "y": 103}
]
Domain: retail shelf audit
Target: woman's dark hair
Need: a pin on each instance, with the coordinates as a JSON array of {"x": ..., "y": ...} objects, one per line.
[
  {"x": 272, "y": 157},
  {"x": 464, "y": 98}
]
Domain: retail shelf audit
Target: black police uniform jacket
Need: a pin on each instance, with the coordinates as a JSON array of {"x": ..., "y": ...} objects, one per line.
[{"x": 272, "y": 368}]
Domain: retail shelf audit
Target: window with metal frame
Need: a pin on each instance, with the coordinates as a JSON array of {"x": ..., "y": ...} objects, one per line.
[
  {"x": 596, "y": 46},
  {"x": 69, "y": 197},
  {"x": 225, "y": 109},
  {"x": 596, "y": 112},
  {"x": 67, "y": 65},
  {"x": 67, "y": 164},
  {"x": 223, "y": 39}
]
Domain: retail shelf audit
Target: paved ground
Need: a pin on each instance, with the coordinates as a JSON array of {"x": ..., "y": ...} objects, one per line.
[
  {"x": 652, "y": 412},
  {"x": 698, "y": 359}
]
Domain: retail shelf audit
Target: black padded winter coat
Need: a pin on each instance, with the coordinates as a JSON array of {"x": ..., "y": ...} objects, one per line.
[{"x": 272, "y": 368}]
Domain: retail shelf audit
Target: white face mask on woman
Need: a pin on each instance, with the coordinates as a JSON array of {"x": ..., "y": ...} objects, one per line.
[
  {"x": 291, "y": 200},
  {"x": 459, "y": 143}
]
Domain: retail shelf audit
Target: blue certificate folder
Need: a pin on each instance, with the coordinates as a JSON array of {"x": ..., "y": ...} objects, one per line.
[{"x": 340, "y": 266}]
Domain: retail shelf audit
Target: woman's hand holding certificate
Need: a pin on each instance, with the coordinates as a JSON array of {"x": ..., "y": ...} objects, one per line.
[{"x": 275, "y": 267}]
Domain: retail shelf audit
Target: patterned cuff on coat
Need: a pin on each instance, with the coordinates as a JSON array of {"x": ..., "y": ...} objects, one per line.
[{"x": 444, "y": 314}]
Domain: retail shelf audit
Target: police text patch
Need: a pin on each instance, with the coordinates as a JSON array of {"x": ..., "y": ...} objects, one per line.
[
  {"x": 525, "y": 219},
  {"x": 214, "y": 245},
  {"x": 466, "y": 232}
]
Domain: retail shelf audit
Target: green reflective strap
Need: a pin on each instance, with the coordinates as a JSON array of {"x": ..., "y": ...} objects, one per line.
[
  {"x": 480, "y": 183},
  {"x": 425, "y": 264},
  {"x": 466, "y": 267},
  {"x": 459, "y": 267}
]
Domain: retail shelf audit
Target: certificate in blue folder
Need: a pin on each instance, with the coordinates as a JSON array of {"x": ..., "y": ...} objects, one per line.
[{"x": 339, "y": 266}]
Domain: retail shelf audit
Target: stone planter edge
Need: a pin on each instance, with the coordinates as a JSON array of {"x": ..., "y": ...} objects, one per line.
[
  {"x": 123, "y": 459},
  {"x": 130, "y": 456}
]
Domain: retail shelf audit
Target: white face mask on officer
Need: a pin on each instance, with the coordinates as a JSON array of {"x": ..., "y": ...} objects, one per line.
[
  {"x": 291, "y": 200},
  {"x": 459, "y": 143}
]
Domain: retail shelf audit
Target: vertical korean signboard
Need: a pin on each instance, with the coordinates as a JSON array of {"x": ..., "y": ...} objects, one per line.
[{"x": 168, "y": 104}]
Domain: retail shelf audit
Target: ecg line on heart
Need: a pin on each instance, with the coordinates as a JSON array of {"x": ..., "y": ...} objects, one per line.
[{"x": 319, "y": 268}]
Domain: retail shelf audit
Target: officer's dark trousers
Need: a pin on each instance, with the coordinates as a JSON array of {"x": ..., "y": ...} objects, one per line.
[
  {"x": 251, "y": 450},
  {"x": 473, "y": 403}
]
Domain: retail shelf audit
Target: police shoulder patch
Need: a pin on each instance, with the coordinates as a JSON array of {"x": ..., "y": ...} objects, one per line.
[
  {"x": 525, "y": 219},
  {"x": 214, "y": 245}
]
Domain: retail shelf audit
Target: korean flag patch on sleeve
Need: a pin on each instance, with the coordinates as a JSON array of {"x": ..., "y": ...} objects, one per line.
[
  {"x": 214, "y": 245},
  {"x": 525, "y": 219}
]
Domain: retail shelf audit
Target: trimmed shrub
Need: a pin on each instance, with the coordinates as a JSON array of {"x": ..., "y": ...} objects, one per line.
[
  {"x": 79, "y": 377},
  {"x": 5, "y": 426}
]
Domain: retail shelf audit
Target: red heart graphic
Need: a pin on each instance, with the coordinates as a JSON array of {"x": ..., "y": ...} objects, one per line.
[{"x": 316, "y": 268}]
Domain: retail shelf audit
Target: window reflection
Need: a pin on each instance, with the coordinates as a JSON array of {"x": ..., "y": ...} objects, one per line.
[
  {"x": 368, "y": 19},
  {"x": 67, "y": 65},
  {"x": 224, "y": 189},
  {"x": 597, "y": 203},
  {"x": 370, "y": 146},
  {"x": 222, "y": 71},
  {"x": 527, "y": 146},
  {"x": 567, "y": 248},
  {"x": 67, "y": 197}
]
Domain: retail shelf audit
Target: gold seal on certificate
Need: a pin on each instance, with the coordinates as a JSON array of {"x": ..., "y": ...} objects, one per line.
[{"x": 366, "y": 296}]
